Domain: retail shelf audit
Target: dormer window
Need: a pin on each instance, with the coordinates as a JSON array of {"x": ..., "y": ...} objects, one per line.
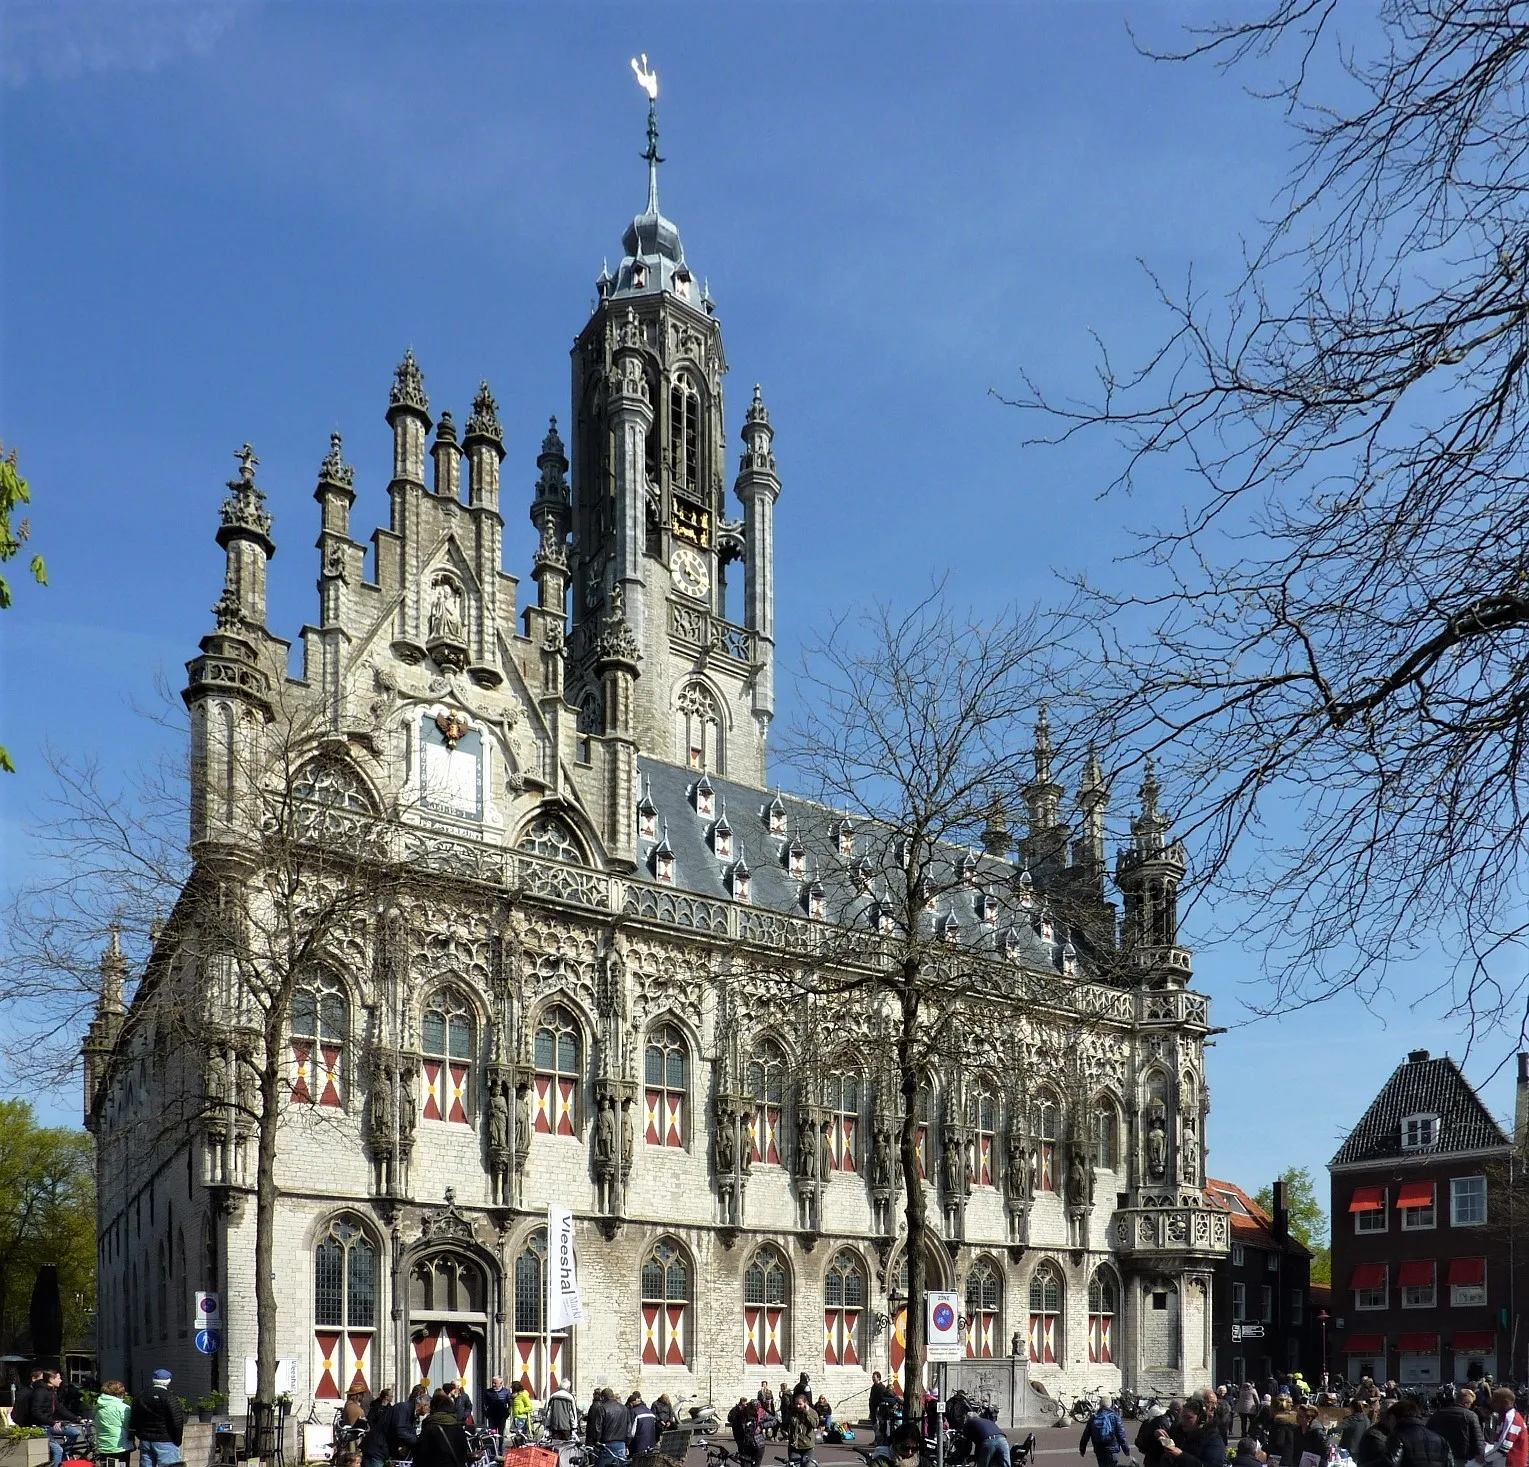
[
  {"x": 927, "y": 892},
  {"x": 1026, "y": 885},
  {"x": 738, "y": 881},
  {"x": 814, "y": 902},
  {"x": 663, "y": 860},
  {"x": 722, "y": 839},
  {"x": 881, "y": 915},
  {"x": 682, "y": 284},
  {"x": 1045, "y": 926},
  {"x": 966, "y": 868},
  {"x": 1011, "y": 942},
  {"x": 1069, "y": 959},
  {"x": 705, "y": 798},
  {"x": 950, "y": 928},
  {"x": 647, "y": 814},
  {"x": 796, "y": 859},
  {"x": 864, "y": 873},
  {"x": 775, "y": 817},
  {"x": 639, "y": 276},
  {"x": 904, "y": 850},
  {"x": 1419, "y": 1132},
  {"x": 844, "y": 834},
  {"x": 987, "y": 907}
]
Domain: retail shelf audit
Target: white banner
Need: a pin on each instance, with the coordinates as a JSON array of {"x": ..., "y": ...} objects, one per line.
[{"x": 564, "y": 1306}]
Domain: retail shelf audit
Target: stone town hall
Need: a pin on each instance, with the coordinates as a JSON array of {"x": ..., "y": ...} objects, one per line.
[{"x": 551, "y": 1012}]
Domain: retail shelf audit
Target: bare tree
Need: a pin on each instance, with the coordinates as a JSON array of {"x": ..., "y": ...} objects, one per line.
[
  {"x": 1330, "y": 645},
  {"x": 286, "y": 881},
  {"x": 917, "y": 730}
]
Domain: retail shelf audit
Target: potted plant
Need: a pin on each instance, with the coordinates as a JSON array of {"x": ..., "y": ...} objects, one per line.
[
  {"x": 205, "y": 1406},
  {"x": 23, "y": 1446}
]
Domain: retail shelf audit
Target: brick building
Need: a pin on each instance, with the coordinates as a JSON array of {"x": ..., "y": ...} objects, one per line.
[
  {"x": 1261, "y": 1322},
  {"x": 1422, "y": 1221}
]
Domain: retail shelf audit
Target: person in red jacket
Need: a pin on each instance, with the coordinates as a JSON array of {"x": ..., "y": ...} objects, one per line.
[{"x": 1510, "y": 1445}]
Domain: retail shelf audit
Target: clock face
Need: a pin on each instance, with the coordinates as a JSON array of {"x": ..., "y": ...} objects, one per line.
[{"x": 689, "y": 569}]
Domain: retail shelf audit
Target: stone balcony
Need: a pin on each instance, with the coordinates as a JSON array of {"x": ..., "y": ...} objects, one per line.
[{"x": 1145, "y": 1233}]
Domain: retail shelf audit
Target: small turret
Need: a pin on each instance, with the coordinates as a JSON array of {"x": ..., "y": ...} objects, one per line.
[
  {"x": 447, "y": 454},
  {"x": 758, "y": 487},
  {"x": 101, "y": 1037},
  {"x": 1045, "y": 845},
  {"x": 1088, "y": 854},
  {"x": 335, "y": 493},
  {"x": 550, "y": 514},
  {"x": 409, "y": 418},
  {"x": 997, "y": 840},
  {"x": 1148, "y": 873},
  {"x": 484, "y": 445},
  {"x": 245, "y": 535}
]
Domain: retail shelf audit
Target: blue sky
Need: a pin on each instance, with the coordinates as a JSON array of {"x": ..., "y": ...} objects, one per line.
[{"x": 226, "y": 221}]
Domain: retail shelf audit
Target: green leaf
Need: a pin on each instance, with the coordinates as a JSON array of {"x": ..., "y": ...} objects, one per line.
[
  {"x": 39, "y": 571},
  {"x": 6, "y": 766}
]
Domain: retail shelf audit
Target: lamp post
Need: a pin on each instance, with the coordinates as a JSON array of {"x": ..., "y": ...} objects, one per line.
[{"x": 1322, "y": 1318}]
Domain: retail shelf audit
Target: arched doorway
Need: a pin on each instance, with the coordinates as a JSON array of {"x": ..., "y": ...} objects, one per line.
[
  {"x": 936, "y": 1276},
  {"x": 448, "y": 1320}
]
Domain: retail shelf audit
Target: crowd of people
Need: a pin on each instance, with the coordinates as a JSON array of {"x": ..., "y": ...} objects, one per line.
[{"x": 1377, "y": 1427}]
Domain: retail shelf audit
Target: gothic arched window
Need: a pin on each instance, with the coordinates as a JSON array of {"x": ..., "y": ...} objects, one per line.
[
  {"x": 766, "y": 1308},
  {"x": 530, "y": 1336},
  {"x": 666, "y": 1076},
  {"x": 559, "y": 1072},
  {"x": 446, "y": 1035},
  {"x": 550, "y": 836},
  {"x": 984, "y": 1309},
  {"x": 844, "y": 1296},
  {"x": 1106, "y": 1134},
  {"x": 320, "y": 1022},
  {"x": 1047, "y": 1121},
  {"x": 767, "y": 1084},
  {"x": 984, "y": 1110},
  {"x": 332, "y": 782},
  {"x": 700, "y": 729},
  {"x": 685, "y": 436},
  {"x": 1103, "y": 1303},
  {"x": 344, "y": 1309},
  {"x": 666, "y": 1305},
  {"x": 922, "y": 1106},
  {"x": 1046, "y": 1315},
  {"x": 843, "y": 1093}
]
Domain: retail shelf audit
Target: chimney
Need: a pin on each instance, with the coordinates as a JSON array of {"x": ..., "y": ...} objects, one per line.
[
  {"x": 1417, "y": 1056},
  {"x": 1281, "y": 1212},
  {"x": 1521, "y": 1105}
]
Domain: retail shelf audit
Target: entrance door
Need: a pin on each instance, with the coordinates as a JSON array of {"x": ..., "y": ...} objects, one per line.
[{"x": 448, "y": 1322}]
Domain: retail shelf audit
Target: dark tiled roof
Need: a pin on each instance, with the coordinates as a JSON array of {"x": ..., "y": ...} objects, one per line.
[
  {"x": 1250, "y": 1222},
  {"x": 698, "y": 870},
  {"x": 1422, "y": 1086}
]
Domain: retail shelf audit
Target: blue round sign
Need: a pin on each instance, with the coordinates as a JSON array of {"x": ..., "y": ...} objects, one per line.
[
  {"x": 208, "y": 1341},
  {"x": 944, "y": 1316}
]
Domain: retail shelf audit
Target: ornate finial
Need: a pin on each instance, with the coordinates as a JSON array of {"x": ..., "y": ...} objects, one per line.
[
  {"x": 1150, "y": 790},
  {"x": 631, "y": 334},
  {"x": 247, "y": 462},
  {"x": 758, "y": 412},
  {"x": 244, "y": 509},
  {"x": 334, "y": 469},
  {"x": 618, "y": 642},
  {"x": 226, "y": 610},
  {"x": 647, "y": 79},
  {"x": 446, "y": 429},
  {"x": 483, "y": 422},
  {"x": 1043, "y": 749},
  {"x": 409, "y": 385},
  {"x": 1093, "y": 773},
  {"x": 995, "y": 833}
]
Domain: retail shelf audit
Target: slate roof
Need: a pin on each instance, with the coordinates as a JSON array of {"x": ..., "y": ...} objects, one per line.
[
  {"x": 1015, "y": 932},
  {"x": 1422, "y": 1086}
]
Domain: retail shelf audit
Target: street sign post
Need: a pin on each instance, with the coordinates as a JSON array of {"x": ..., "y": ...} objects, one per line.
[
  {"x": 943, "y": 1326},
  {"x": 209, "y": 1341}
]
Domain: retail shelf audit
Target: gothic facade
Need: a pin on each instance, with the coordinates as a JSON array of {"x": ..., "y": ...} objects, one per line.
[{"x": 558, "y": 1005}]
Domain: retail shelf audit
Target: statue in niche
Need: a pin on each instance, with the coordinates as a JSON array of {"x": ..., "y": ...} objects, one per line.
[
  {"x": 1077, "y": 1179},
  {"x": 605, "y": 1138},
  {"x": 523, "y": 1117},
  {"x": 498, "y": 1121},
  {"x": 1017, "y": 1173},
  {"x": 446, "y": 613},
  {"x": 807, "y": 1153},
  {"x": 379, "y": 1108},
  {"x": 725, "y": 1144},
  {"x": 953, "y": 1157},
  {"x": 408, "y": 1108},
  {"x": 1157, "y": 1141},
  {"x": 1189, "y": 1152},
  {"x": 628, "y": 1137},
  {"x": 881, "y": 1157},
  {"x": 217, "y": 1077}
]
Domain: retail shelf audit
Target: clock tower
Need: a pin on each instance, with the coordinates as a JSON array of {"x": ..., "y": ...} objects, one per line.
[{"x": 653, "y": 543}]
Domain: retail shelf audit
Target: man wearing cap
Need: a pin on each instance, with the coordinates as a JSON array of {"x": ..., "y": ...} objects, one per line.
[{"x": 158, "y": 1422}]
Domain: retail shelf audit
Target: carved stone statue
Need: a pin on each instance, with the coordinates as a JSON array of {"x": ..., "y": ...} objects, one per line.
[
  {"x": 1157, "y": 1142},
  {"x": 807, "y": 1150},
  {"x": 217, "y": 1076},
  {"x": 445, "y": 614},
  {"x": 498, "y": 1121},
  {"x": 725, "y": 1145},
  {"x": 628, "y": 1137},
  {"x": 379, "y": 1109},
  {"x": 1077, "y": 1179},
  {"x": 605, "y": 1138},
  {"x": 881, "y": 1157},
  {"x": 523, "y": 1118},
  {"x": 408, "y": 1109},
  {"x": 953, "y": 1166},
  {"x": 1017, "y": 1174},
  {"x": 1189, "y": 1152}
]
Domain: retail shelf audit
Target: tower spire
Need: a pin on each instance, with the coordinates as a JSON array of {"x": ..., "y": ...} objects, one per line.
[{"x": 647, "y": 79}]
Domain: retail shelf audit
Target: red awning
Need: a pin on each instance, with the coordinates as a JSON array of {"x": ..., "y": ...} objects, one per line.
[
  {"x": 1368, "y": 1199},
  {"x": 1415, "y": 1273},
  {"x": 1366, "y": 1345},
  {"x": 1368, "y": 1276},
  {"x": 1475, "y": 1342},
  {"x": 1419, "y": 1344},
  {"x": 1468, "y": 1271},
  {"x": 1415, "y": 1194}
]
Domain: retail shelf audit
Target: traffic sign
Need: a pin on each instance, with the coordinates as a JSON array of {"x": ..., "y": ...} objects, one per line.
[
  {"x": 944, "y": 1320},
  {"x": 207, "y": 1312},
  {"x": 209, "y": 1341}
]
